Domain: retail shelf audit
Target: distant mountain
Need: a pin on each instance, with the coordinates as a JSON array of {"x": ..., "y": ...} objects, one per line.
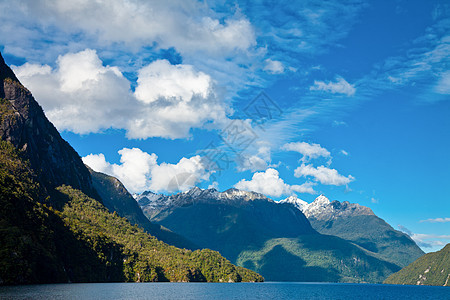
[
  {"x": 53, "y": 225},
  {"x": 258, "y": 233},
  {"x": 360, "y": 225},
  {"x": 218, "y": 220},
  {"x": 430, "y": 269}
]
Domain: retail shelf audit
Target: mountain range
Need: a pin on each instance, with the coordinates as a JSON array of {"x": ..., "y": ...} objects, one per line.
[
  {"x": 59, "y": 223},
  {"x": 359, "y": 225},
  {"x": 285, "y": 240}
]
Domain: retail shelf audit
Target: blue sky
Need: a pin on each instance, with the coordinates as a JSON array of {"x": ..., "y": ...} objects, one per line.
[{"x": 346, "y": 98}]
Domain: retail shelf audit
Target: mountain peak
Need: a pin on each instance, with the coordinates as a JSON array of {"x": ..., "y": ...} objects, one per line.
[
  {"x": 235, "y": 193},
  {"x": 297, "y": 202},
  {"x": 321, "y": 200},
  {"x": 323, "y": 209},
  {"x": 5, "y": 72}
]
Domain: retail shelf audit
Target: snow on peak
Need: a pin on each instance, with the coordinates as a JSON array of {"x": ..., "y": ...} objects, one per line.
[
  {"x": 323, "y": 209},
  {"x": 235, "y": 193},
  {"x": 297, "y": 202},
  {"x": 321, "y": 200}
]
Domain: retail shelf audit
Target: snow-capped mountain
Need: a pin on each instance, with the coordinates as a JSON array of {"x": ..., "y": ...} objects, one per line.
[
  {"x": 360, "y": 225},
  {"x": 324, "y": 209},
  {"x": 198, "y": 195},
  {"x": 252, "y": 230},
  {"x": 297, "y": 202}
]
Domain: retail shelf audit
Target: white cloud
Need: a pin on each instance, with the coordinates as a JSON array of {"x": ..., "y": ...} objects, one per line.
[
  {"x": 338, "y": 123},
  {"x": 307, "y": 150},
  {"x": 343, "y": 152},
  {"x": 433, "y": 242},
  {"x": 443, "y": 85},
  {"x": 81, "y": 95},
  {"x": 133, "y": 171},
  {"x": 178, "y": 177},
  {"x": 305, "y": 188},
  {"x": 189, "y": 26},
  {"x": 139, "y": 171},
  {"x": 323, "y": 175},
  {"x": 160, "y": 79},
  {"x": 273, "y": 66},
  {"x": 436, "y": 220},
  {"x": 341, "y": 86},
  {"x": 269, "y": 183},
  {"x": 214, "y": 185},
  {"x": 256, "y": 162}
]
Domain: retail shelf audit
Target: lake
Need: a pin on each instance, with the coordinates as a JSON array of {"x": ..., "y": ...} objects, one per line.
[{"x": 267, "y": 290}]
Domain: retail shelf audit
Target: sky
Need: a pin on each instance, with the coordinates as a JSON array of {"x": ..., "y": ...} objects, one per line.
[{"x": 350, "y": 99}]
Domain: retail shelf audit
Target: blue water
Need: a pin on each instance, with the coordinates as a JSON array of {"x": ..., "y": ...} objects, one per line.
[{"x": 267, "y": 290}]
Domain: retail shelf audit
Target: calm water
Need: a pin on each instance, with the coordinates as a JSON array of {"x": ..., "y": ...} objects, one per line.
[{"x": 268, "y": 290}]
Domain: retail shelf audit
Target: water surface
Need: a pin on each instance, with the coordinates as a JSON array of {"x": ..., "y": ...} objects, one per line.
[{"x": 267, "y": 290}]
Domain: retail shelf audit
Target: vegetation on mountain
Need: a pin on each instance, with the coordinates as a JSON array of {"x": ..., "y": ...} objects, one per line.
[
  {"x": 53, "y": 224},
  {"x": 373, "y": 234},
  {"x": 116, "y": 198},
  {"x": 144, "y": 257},
  {"x": 430, "y": 269},
  {"x": 275, "y": 240},
  {"x": 312, "y": 258}
]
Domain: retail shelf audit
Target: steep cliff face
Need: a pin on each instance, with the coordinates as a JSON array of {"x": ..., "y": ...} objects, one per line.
[{"x": 24, "y": 124}]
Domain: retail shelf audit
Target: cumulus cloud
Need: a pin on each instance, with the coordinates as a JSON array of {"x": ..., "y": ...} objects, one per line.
[
  {"x": 133, "y": 171},
  {"x": 139, "y": 171},
  {"x": 323, "y": 175},
  {"x": 83, "y": 96},
  {"x": 340, "y": 86},
  {"x": 436, "y": 220},
  {"x": 256, "y": 162},
  {"x": 269, "y": 183},
  {"x": 307, "y": 150},
  {"x": 160, "y": 79},
  {"x": 178, "y": 177},
  {"x": 80, "y": 95},
  {"x": 273, "y": 66}
]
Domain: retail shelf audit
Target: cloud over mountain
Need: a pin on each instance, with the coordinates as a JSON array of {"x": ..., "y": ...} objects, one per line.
[{"x": 83, "y": 96}]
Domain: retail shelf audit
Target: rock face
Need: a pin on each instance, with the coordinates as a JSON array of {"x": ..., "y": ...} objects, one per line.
[
  {"x": 360, "y": 225},
  {"x": 24, "y": 124},
  {"x": 430, "y": 269}
]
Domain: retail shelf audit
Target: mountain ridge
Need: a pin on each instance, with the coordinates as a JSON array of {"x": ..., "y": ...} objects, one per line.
[
  {"x": 256, "y": 232},
  {"x": 359, "y": 225}
]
